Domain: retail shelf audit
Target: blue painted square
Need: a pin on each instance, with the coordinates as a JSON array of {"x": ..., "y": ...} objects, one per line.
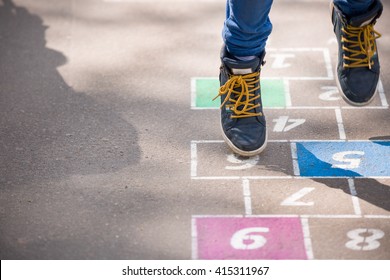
[{"x": 344, "y": 159}]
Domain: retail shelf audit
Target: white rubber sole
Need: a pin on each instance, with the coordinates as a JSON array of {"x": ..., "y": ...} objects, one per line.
[
  {"x": 346, "y": 99},
  {"x": 242, "y": 152}
]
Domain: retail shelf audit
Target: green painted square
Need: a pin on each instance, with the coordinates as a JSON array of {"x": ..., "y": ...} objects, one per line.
[
  {"x": 206, "y": 90},
  {"x": 273, "y": 94}
]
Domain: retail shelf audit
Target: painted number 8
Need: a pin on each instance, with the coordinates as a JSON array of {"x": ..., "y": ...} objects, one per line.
[
  {"x": 364, "y": 239},
  {"x": 252, "y": 235}
]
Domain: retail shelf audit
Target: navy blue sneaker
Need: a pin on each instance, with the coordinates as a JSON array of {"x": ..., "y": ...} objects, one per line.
[
  {"x": 242, "y": 119},
  {"x": 358, "y": 62}
]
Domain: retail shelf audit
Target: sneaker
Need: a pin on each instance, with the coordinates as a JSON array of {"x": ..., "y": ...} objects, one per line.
[
  {"x": 242, "y": 119},
  {"x": 358, "y": 63}
]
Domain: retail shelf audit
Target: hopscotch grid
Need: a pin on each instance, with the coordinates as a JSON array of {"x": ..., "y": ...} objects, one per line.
[
  {"x": 342, "y": 135},
  {"x": 286, "y": 79}
]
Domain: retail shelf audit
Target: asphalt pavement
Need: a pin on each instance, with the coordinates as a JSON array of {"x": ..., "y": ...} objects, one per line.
[{"x": 110, "y": 145}]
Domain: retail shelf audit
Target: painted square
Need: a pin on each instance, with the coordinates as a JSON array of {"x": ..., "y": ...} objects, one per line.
[
  {"x": 249, "y": 238},
  {"x": 301, "y": 197},
  {"x": 215, "y": 160},
  {"x": 205, "y": 89},
  {"x": 344, "y": 159},
  {"x": 350, "y": 238}
]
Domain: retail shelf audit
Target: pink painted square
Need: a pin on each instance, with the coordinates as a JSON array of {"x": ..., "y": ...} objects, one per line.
[{"x": 249, "y": 238}]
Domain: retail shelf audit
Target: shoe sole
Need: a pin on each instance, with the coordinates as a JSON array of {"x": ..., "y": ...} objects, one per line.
[
  {"x": 345, "y": 98},
  {"x": 242, "y": 152}
]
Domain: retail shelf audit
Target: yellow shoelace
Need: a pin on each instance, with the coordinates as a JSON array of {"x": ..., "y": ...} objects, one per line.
[
  {"x": 244, "y": 98},
  {"x": 361, "y": 50}
]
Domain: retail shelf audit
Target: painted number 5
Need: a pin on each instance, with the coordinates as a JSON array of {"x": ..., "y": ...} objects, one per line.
[
  {"x": 242, "y": 164},
  {"x": 349, "y": 159},
  {"x": 249, "y": 238}
]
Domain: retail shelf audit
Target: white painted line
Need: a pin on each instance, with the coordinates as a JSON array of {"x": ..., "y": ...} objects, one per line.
[
  {"x": 287, "y": 93},
  {"x": 296, "y": 216},
  {"x": 331, "y": 216},
  {"x": 294, "y": 156},
  {"x": 340, "y": 124},
  {"x": 243, "y": 177},
  {"x": 222, "y": 141},
  {"x": 295, "y": 78},
  {"x": 216, "y": 178},
  {"x": 307, "y": 238},
  {"x": 292, "y": 78},
  {"x": 206, "y": 141},
  {"x": 205, "y": 78},
  {"x": 344, "y": 177},
  {"x": 328, "y": 107},
  {"x": 248, "y": 205},
  {"x": 382, "y": 94},
  {"x": 355, "y": 199},
  {"x": 296, "y": 49},
  {"x": 377, "y": 216},
  {"x": 366, "y": 107},
  {"x": 247, "y": 196},
  {"x": 278, "y": 141},
  {"x": 307, "y": 108},
  {"x": 192, "y": 1},
  {"x": 204, "y": 108},
  {"x": 193, "y": 93},
  {"x": 162, "y": 1},
  {"x": 267, "y": 177},
  {"x": 217, "y": 216},
  {"x": 194, "y": 159},
  {"x": 246, "y": 187},
  {"x": 336, "y": 140},
  {"x": 194, "y": 237},
  {"x": 274, "y": 216},
  {"x": 328, "y": 63}
]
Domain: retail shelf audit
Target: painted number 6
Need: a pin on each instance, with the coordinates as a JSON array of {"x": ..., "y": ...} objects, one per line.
[{"x": 256, "y": 241}]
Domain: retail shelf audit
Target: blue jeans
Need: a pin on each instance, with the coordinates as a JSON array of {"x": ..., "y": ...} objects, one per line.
[{"x": 247, "y": 25}]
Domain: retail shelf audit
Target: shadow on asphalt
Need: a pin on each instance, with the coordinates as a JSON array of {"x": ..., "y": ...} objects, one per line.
[
  {"x": 369, "y": 190},
  {"x": 49, "y": 131}
]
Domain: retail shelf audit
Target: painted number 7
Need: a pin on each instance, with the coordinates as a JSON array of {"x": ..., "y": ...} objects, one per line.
[{"x": 249, "y": 238}]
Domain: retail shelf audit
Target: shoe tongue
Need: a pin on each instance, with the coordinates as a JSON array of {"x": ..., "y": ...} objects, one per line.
[
  {"x": 238, "y": 67},
  {"x": 369, "y": 17}
]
